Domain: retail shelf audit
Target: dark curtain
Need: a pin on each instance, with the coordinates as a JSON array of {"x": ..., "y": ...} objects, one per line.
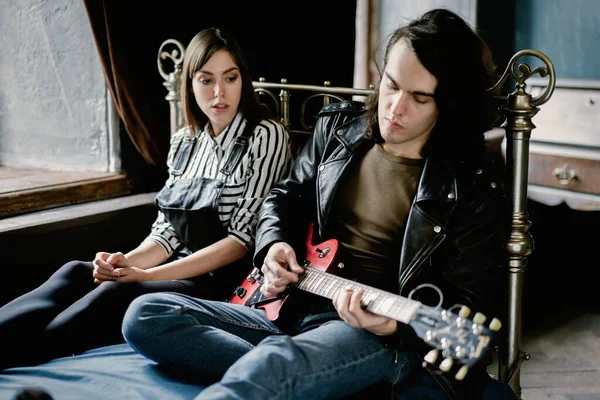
[{"x": 303, "y": 41}]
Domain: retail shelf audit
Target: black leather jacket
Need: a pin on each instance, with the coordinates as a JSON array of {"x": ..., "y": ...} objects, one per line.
[{"x": 456, "y": 226}]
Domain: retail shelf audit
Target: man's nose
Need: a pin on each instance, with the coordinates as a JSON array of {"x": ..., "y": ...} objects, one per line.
[{"x": 400, "y": 103}]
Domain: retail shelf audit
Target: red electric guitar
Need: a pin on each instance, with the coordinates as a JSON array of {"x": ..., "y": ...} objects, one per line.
[{"x": 457, "y": 337}]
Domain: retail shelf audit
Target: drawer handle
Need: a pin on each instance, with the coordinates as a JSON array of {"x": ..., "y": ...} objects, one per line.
[{"x": 564, "y": 174}]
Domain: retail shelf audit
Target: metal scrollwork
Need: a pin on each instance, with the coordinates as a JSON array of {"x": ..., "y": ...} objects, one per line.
[
  {"x": 326, "y": 100},
  {"x": 176, "y": 56},
  {"x": 262, "y": 92},
  {"x": 526, "y": 73},
  {"x": 172, "y": 79}
]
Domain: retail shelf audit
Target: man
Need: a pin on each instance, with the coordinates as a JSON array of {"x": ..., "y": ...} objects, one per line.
[{"x": 405, "y": 186}]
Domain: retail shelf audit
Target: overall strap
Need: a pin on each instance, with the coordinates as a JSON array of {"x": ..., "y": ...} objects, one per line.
[
  {"x": 239, "y": 149},
  {"x": 183, "y": 154}
]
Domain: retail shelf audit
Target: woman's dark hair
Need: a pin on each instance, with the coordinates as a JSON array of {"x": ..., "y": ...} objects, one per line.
[
  {"x": 200, "y": 49},
  {"x": 463, "y": 66}
]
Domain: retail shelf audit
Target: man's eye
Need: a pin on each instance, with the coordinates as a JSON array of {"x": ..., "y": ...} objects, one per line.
[{"x": 421, "y": 101}]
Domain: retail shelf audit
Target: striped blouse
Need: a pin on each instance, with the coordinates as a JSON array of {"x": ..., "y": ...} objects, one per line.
[{"x": 267, "y": 159}]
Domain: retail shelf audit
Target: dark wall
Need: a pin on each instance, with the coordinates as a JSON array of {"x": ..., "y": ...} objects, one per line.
[
  {"x": 303, "y": 41},
  {"x": 495, "y": 23}
]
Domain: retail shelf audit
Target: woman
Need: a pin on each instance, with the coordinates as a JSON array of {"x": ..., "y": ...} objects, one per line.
[{"x": 221, "y": 166}]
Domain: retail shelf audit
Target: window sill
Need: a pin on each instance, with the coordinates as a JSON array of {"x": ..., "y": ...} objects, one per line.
[{"x": 25, "y": 190}]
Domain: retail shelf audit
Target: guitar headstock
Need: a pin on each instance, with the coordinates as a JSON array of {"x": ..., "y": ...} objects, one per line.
[{"x": 455, "y": 337}]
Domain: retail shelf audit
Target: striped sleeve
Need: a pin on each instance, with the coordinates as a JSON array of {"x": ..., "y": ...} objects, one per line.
[
  {"x": 269, "y": 160},
  {"x": 162, "y": 231}
]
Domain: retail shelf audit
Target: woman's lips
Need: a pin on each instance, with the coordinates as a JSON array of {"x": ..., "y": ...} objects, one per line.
[{"x": 220, "y": 107}]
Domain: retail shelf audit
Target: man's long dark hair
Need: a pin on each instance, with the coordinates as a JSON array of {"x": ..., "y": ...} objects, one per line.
[
  {"x": 463, "y": 66},
  {"x": 200, "y": 49}
]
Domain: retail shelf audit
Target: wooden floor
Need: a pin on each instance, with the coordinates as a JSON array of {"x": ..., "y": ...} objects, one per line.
[{"x": 565, "y": 356}]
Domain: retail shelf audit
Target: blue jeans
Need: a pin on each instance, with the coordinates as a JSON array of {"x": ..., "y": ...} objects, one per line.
[{"x": 249, "y": 357}]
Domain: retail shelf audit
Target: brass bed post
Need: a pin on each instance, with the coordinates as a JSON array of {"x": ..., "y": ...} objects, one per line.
[
  {"x": 284, "y": 97},
  {"x": 518, "y": 111},
  {"x": 172, "y": 80}
]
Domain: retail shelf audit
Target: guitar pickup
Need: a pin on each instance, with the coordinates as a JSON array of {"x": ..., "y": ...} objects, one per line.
[{"x": 240, "y": 291}]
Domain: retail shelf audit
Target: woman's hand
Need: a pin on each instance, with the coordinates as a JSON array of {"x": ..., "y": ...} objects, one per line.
[
  {"x": 132, "y": 274},
  {"x": 349, "y": 307},
  {"x": 104, "y": 266},
  {"x": 280, "y": 268}
]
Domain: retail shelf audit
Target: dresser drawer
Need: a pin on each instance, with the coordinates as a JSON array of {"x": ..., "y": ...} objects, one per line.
[{"x": 569, "y": 173}]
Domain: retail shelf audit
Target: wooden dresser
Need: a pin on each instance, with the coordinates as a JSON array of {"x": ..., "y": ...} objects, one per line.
[{"x": 564, "y": 163}]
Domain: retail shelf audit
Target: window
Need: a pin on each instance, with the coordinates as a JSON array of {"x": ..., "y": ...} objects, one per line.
[{"x": 57, "y": 141}]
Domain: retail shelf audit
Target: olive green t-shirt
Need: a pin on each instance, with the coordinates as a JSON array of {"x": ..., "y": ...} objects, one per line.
[{"x": 370, "y": 210}]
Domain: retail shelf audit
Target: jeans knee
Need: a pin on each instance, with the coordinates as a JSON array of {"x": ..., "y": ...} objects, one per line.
[
  {"x": 278, "y": 352},
  {"x": 134, "y": 324}
]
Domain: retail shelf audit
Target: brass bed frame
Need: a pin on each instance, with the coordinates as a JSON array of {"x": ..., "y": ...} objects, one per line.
[{"x": 517, "y": 110}]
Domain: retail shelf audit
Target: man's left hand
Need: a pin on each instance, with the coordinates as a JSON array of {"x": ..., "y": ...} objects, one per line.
[{"x": 349, "y": 307}]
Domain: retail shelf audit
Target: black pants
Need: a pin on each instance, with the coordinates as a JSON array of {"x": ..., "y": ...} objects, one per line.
[{"x": 69, "y": 313}]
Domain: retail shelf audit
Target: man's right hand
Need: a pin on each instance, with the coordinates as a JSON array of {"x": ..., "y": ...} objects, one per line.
[
  {"x": 104, "y": 266},
  {"x": 280, "y": 268}
]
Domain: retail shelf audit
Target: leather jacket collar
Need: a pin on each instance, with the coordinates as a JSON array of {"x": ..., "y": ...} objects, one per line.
[{"x": 438, "y": 180}]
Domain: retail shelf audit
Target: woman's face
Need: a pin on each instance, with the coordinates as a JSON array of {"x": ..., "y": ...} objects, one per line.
[{"x": 217, "y": 88}]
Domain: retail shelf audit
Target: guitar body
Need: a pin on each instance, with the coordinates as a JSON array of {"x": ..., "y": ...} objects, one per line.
[{"x": 323, "y": 257}]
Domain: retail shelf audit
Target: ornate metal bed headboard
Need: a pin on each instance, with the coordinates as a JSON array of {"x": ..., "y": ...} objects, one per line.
[{"x": 518, "y": 108}]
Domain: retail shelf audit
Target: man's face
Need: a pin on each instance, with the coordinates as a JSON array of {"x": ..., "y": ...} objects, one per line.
[{"x": 407, "y": 111}]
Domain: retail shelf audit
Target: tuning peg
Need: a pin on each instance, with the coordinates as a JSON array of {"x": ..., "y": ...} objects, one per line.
[
  {"x": 446, "y": 364},
  {"x": 479, "y": 318},
  {"x": 495, "y": 324},
  {"x": 464, "y": 312},
  {"x": 432, "y": 356},
  {"x": 462, "y": 372}
]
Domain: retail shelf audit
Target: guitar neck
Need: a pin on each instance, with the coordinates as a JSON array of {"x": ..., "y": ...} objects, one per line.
[{"x": 377, "y": 301}]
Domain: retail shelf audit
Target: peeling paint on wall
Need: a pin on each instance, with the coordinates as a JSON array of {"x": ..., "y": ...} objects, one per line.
[{"x": 53, "y": 111}]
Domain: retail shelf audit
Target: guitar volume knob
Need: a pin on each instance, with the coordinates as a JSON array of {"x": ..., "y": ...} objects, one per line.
[{"x": 240, "y": 291}]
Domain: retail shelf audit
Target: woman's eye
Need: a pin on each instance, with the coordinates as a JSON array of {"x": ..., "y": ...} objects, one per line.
[
  {"x": 231, "y": 79},
  {"x": 205, "y": 81}
]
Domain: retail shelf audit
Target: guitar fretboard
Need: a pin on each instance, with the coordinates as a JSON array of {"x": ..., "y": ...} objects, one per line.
[{"x": 377, "y": 301}]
